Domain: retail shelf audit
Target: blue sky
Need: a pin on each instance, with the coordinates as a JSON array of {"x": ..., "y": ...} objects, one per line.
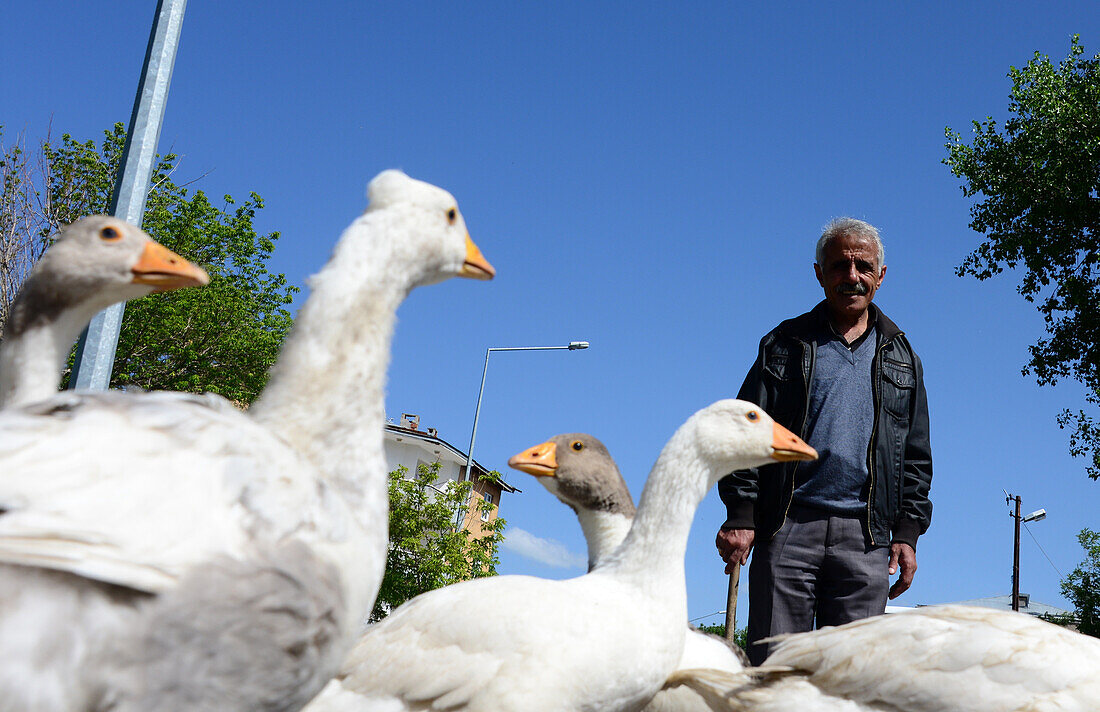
[{"x": 647, "y": 177}]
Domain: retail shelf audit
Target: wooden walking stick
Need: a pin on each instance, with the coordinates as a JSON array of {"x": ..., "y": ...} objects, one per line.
[{"x": 731, "y": 602}]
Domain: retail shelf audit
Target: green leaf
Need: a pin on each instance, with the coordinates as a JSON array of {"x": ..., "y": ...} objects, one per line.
[
  {"x": 427, "y": 550},
  {"x": 1037, "y": 183},
  {"x": 221, "y": 338},
  {"x": 1082, "y": 587}
]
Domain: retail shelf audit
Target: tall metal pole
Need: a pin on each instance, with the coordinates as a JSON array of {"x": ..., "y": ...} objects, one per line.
[
  {"x": 1016, "y": 557},
  {"x": 477, "y": 411},
  {"x": 573, "y": 346},
  {"x": 95, "y": 352}
]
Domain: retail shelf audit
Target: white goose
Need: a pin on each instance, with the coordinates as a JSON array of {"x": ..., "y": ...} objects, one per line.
[
  {"x": 931, "y": 659},
  {"x": 92, "y": 264},
  {"x": 604, "y": 641},
  {"x": 579, "y": 471},
  {"x": 170, "y": 552}
]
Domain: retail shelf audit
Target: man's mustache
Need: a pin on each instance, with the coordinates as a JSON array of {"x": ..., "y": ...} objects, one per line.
[{"x": 859, "y": 289}]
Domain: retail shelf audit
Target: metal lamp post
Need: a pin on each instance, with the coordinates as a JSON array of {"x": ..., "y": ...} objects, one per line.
[
  {"x": 1037, "y": 515},
  {"x": 95, "y": 352},
  {"x": 573, "y": 346}
]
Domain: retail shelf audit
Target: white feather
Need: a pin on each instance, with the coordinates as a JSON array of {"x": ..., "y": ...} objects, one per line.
[
  {"x": 948, "y": 657},
  {"x": 603, "y": 641},
  {"x": 932, "y": 659},
  {"x": 192, "y": 556}
]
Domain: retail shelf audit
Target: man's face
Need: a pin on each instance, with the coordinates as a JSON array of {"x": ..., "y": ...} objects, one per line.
[{"x": 850, "y": 275}]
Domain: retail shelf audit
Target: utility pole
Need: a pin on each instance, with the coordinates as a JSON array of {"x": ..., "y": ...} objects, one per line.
[
  {"x": 1015, "y": 554},
  {"x": 1037, "y": 516}
]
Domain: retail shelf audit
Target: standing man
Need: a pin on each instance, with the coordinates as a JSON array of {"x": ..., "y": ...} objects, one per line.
[{"x": 828, "y": 534}]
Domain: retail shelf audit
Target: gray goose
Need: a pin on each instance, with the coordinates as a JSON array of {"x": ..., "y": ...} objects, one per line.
[
  {"x": 168, "y": 551},
  {"x": 92, "y": 264},
  {"x": 578, "y": 469},
  {"x": 931, "y": 659},
  {"x": 607, "y": 640}
]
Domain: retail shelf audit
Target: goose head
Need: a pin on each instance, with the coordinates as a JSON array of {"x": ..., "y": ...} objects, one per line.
[
  {"x": 577, "y": 469},
  {"x": 434, "y": 244},
  {"x": 93, "y": 263},
  {"x": 734, "y": 435}
]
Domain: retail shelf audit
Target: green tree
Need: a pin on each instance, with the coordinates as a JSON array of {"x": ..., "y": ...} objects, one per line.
[
  {"x": 1082, "y": 585},
  {"x": 426, "y": 550},
  {"x": 1038, "y": 178},
  {"x": 740, "y": 636},
  {"x": 221, "y": 338}
]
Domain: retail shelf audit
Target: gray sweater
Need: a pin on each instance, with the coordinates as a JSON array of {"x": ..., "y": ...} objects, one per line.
[{"x": 838, "y": 425}]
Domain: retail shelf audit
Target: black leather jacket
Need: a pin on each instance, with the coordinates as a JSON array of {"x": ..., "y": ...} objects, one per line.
[{"x": 899, "y": 456}]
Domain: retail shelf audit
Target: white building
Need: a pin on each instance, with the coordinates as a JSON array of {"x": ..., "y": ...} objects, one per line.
[{"x": 406, "y": 444}]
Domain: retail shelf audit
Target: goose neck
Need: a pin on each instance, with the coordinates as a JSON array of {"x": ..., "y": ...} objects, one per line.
[
  {"x": 603, "y": 532},
  {"x": 654, "y": 547},
  {"x": 31, "y": 358},
  {"x": 325, "y": 394}
]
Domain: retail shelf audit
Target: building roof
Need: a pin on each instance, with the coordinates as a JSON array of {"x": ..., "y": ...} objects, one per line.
[
  {"x": 897, "y": 609},
  {"x": 1004, "y": 603},
  {"x": 444, "y": 449}
]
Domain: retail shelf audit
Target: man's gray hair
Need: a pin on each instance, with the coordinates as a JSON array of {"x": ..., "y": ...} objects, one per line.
[{"x": 850, "y": 226}]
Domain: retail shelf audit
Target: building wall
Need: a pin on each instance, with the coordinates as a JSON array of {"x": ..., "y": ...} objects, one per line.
[
  {"x": 409, "y": 453},
  {"x": 474, "y": 522}
]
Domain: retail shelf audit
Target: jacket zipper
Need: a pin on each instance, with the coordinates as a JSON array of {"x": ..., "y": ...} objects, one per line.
[
  {"x": 877, "y": 399},
  {"x": 807, "y": 379}
]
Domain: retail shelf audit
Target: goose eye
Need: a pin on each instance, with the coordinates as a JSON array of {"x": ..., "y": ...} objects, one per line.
[
  {"x": 451, "y": 215},
  {"x": 110, "y": 234},
  {"x": 577, "y": 445},
  {"x": 752, "y": 415}
]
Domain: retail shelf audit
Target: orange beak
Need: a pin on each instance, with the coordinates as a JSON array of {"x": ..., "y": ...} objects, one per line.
[
  {"x": 476, "y": 266},
  {"x": 787, "y": 446},
  {"x": 161, "y": 268},
  {"x": 540, "y": 460}
]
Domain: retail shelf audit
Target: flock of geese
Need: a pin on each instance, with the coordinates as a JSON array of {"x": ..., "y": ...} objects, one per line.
[{"x": 166, "y": 551}]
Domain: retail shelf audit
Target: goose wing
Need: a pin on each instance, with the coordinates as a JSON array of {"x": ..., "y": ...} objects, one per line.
[
  {"x": 133, "y": 489},
  {"x": 454, "y": 627},
  {"x": 510, "y": 642},
  {"x": 945, "y": 657}
]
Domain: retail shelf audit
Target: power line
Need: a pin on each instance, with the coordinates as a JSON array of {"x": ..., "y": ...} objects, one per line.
[{"x": 1060, "y": 576}]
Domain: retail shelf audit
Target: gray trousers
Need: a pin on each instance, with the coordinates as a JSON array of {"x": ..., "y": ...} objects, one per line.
[{"x": 818, "y": 566}]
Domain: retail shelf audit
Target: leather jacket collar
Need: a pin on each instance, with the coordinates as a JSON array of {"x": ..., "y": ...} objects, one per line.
[{"x": 806, "y": 327}]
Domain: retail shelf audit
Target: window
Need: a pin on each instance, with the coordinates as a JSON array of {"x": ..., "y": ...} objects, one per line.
[{"x": 488, "y": 496}]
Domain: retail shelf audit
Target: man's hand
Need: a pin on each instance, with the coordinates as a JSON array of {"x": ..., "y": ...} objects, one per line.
[
  {"x": 734, "y": 546},
  {"x": 904, "y": 555}
]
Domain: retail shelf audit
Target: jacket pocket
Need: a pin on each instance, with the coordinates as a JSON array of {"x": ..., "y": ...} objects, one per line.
[
  {"x": 899, "y": 380},
  {"x": 778, "y": 366}
]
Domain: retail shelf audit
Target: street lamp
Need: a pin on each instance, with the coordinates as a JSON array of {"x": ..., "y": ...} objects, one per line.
[
  {"x": 1036, "y": 516},
  {"x": 573, "y": 346}
]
